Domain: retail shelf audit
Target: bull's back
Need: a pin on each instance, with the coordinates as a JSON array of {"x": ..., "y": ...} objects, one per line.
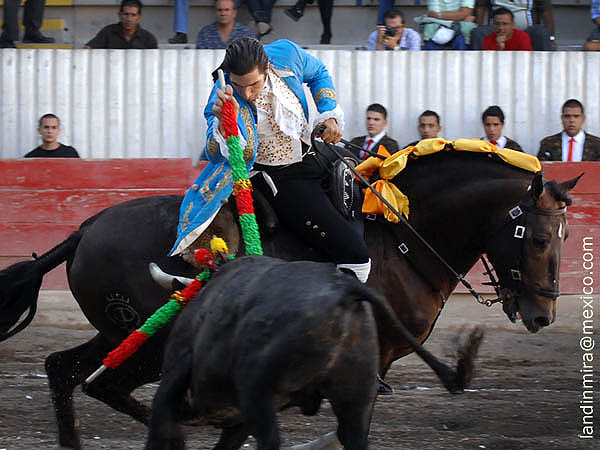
[{"x": 269, "y": 321}]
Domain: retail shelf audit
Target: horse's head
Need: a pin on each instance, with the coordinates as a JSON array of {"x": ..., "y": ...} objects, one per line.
[{"x": 525, "y": 251}]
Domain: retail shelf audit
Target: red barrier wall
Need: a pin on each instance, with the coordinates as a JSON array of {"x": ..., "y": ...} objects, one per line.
[{"x": 43, "y": 200}]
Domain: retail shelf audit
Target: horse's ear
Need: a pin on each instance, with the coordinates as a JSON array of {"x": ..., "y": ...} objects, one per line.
[
  {"x": 537, "y": 186},
  {"x": 567, "y": 186}
]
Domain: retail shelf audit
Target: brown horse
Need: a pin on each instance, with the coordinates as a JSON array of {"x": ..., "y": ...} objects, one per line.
[{"x": 463, "y": 204}]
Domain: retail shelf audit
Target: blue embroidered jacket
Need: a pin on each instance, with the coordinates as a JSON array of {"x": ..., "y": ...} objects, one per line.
[{"x": 215, "y": 183}]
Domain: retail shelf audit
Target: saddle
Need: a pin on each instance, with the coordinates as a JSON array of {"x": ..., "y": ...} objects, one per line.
[{"x": 342, "y": 187}]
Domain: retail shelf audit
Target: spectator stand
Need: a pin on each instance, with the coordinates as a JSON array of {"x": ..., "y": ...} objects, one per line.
[{"x": 74, "y": 22}]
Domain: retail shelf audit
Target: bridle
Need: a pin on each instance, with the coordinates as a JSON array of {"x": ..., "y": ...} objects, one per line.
[{"x": 514, "y": 226}]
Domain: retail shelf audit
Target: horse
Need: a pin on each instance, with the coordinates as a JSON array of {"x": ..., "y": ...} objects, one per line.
[{"x": 464, "y": 204}]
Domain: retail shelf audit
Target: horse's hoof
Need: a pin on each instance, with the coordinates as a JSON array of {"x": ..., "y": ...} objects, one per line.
[{"x": 383, "y": 388}]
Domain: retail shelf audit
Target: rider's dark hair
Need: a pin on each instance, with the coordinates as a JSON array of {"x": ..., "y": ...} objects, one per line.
[
  {"x": 500, "y": 11},
  {"x": 493, "y": 111},
  {"x": 48, "y": 116},
  {"x": 430, "y": 113},
  {"x": 378, "y": 108},
  {"x": 573, "y": 103},
  {"x": 393, "y": 13},
  {"x": 242, "y": 56},
  {"x": 132, "y": 3}
]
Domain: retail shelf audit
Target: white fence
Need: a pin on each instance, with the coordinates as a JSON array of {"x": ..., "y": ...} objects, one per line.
[{"x": 149, "y": 103}]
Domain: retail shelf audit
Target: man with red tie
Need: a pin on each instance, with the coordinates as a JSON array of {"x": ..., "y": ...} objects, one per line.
[
  {"x": 376, "y": 123},
  {"x": 573, "y": 143}
]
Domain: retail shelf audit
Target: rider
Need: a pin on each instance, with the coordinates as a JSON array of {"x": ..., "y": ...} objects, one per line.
[{"x": 271, "y": 105}]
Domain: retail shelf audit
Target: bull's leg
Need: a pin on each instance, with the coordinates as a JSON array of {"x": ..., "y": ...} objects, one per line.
[
  {"x": 66, "y": 370},
  {"x": 165, "y": 432},
  {"x": 354, "y": 419},
  {"x": 232, "y": 438},
  {"x": 258, "y": 409},
  {"x": 352, "y": 399}
]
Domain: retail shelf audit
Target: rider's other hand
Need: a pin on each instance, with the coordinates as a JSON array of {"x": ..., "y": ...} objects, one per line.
[
  {"x": 332, "y": 133},
  {"x": 223, "y": 96}
]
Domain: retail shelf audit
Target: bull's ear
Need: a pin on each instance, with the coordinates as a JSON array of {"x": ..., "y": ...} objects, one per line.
[
  {"x": 567, "y": 186},
  {"x": 537, "y": 186}
]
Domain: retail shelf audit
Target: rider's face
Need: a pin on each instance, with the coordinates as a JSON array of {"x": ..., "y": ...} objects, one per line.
[{"x": 248, "y": 86}]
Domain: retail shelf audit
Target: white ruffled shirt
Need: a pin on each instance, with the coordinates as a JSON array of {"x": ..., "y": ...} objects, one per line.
[{"x": 282, "y": 125}]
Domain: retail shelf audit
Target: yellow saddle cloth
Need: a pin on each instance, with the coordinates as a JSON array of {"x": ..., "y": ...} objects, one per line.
[{"x": 394, "y": 164}]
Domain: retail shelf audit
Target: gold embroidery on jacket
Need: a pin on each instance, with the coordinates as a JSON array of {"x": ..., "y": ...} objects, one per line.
[
  {"x": 247, "y": 118},
  {"x": 185, "y": 222},
  {"x": 222, "y": 183},
  {"x": 205, "y": 189},
  {"x": 212, "y": 146},
  {"x": 324, "y": 93}
]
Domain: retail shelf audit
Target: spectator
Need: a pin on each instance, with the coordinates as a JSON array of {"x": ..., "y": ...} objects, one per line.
[
  {"x": 181, "y": 19},
  {"x": 527, "y": 15},
  {"x": 429, "y": 126},
  {"x": 439, "y": 24},
  {"x": 394, "y": 35},
  {"x": 33, "y": 14},
  {"x": 493, "y": 124},
  {"x": 593, "y": 41},
  {"x": 376, "y": 123},
  {"x": 225, "y": 30},
  {"x": 49, "y": 129},
  {"x": 261, "y": 11},
  {"x": 505, "y": 35},
  {"x": 325, "y": 9},
  {"x": 572, "y": 144},
  {"x": 127, "y": 33}
]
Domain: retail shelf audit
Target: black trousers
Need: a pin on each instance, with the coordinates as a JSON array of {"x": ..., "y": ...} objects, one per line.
[
  {"x": 33, "y": 13},
  {"x": 326, "y": 10},
  {"x": 304, "y": 208}
]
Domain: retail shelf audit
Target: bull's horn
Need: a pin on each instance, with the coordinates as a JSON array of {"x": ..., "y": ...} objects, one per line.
[
  {"x": 164, "y": 279},
  {"x": 328, "y": 441}
]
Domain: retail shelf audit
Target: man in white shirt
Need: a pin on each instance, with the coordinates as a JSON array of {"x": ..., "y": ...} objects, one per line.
[
  {"x": 376, "y": 123},
  {"x": 573, "y": 143}
]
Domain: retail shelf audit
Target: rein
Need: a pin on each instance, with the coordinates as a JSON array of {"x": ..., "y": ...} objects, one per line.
[{"x": 402, "y": 247}]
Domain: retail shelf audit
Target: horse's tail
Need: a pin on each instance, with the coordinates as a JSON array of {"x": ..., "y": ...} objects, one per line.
[
  {"x": 454, "y": 381},
  {"x": 20, "y": 285}
]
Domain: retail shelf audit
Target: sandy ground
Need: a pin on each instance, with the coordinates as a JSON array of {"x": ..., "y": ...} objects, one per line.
[{"x": 526, "y": 393}]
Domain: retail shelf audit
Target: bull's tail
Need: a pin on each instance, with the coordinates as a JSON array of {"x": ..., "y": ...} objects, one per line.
[
  {"x": 20, "y": 285},
  {"x": 454, "y": 381}
]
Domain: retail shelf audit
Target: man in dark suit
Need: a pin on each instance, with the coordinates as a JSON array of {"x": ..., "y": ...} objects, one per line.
[
  {"x": 376, "y": 123},
  {"x": 571, "y": 144},
  {"x": 493, "y": 124},
  {"x": 429, "y": 126}
]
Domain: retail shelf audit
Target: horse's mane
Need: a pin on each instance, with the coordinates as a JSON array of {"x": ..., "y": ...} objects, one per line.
[{"x": 461, "y": 163}]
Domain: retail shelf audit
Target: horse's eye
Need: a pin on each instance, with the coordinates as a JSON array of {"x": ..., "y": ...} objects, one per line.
[{"x": 540, "y": 243}]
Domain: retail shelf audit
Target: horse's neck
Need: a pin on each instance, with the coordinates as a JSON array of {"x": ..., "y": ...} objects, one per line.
[{"x": 455, "y": 218}]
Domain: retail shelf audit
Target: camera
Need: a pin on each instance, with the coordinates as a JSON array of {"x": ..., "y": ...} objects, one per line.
[{"x": 390, "y": 31}]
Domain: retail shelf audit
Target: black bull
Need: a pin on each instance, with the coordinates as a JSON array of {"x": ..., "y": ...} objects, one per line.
[{"x": 265, "y": 334}]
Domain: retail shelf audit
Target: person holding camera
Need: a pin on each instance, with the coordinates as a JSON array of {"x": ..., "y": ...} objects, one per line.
[{"x": 394, "y": 35}]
